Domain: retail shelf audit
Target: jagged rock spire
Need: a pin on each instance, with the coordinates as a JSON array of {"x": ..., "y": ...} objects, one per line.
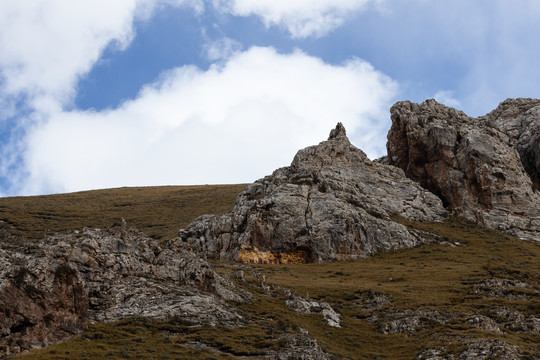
[{"x": 338, "y": 132}]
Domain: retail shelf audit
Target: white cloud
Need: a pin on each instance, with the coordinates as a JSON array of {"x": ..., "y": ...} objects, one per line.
[
  {"x": 447, "y": 98},
  {"x": 221, "y": 49},
  {"x": 235, "y": 122},
  {"x": 46, "y": 45},
  {"x": 302, "y": 18}
]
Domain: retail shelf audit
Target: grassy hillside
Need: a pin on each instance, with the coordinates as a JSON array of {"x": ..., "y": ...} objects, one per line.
[
  {"x": 445, "y": 284},
  {"x": 158, "y": 211}
]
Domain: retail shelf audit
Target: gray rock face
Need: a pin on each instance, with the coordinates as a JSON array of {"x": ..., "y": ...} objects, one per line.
[
  {"x": 484, "y": 169},
  {"x": 41, "y": 302},
  {"x": 332, "y": 203},
  {"x": 49, "y": 290},
  {"x": 519, "y": 119}
]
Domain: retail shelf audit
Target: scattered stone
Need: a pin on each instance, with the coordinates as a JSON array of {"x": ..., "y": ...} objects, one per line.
[
  {"x": 506, "y": 288},
  {"x": 435, "y": 354},
  {"x": 408, "y": 321},
  {"x": 368, "y": 300},
  {"x": 299, "y": 346},
  {"x": 484, "y": 323},
  {"x": 516, "y": 320},
  {"x": 477, "y": 350}
]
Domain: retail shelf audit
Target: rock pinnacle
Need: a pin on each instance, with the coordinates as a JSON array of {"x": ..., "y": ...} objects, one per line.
[{"x": 338, "y": 132}]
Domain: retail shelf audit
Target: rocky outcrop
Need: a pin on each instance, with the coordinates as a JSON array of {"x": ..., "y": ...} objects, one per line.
[
  {"x": 308, "y": 306},
  {"x": 408, "y": 321},
  {"x": 49, "y": 290},
  {"x": 41, "y": 302},
  {"x": 299, "y": 346},
  {"x": 332, "y": 203},
  {"x": 519, "y": 119},
  {"x": 485, "y": 169}
]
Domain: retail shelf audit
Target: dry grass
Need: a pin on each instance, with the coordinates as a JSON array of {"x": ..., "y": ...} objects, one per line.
[
  {"x": 437, "y": 277},
  {"x": 158, "y": 211}
]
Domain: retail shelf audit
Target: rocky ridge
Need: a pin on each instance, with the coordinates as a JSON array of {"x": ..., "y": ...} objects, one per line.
[
  {"x": 333, "y": 203},
  {"x": 485, "y": 169}
]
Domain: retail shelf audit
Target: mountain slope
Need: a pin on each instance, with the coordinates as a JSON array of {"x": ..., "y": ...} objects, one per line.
[
  {"x": 157, "y": 211},
  {"x": 475, "y": 294}
]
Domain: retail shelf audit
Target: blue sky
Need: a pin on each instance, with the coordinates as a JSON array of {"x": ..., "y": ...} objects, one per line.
[{"x": 95, "y": 94}]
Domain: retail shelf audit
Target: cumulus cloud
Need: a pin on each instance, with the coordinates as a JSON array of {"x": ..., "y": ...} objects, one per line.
[
  {"x": 302, "y": 18},
  {"x": 221, "y": 49},
  {"x": 46, "y": 45},
  {"x": 240, "y": 119},
  {"x": 447, "y": 98},
  {"x": 234, "y": 122}
]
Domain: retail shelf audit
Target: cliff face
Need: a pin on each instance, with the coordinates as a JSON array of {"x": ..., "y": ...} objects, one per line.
[
  {"x": 333, "y": 203},
  {"x": 485, "y": 169}
]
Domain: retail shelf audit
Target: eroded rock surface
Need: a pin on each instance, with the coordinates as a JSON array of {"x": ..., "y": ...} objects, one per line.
[
  {"x": 41, "y": 302},
  {"x": 332, "y": 202},
  {"x": 491, "y": 349},
  {"x": 485, "y": 169},
  {"x": 48, "y": 291}
]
